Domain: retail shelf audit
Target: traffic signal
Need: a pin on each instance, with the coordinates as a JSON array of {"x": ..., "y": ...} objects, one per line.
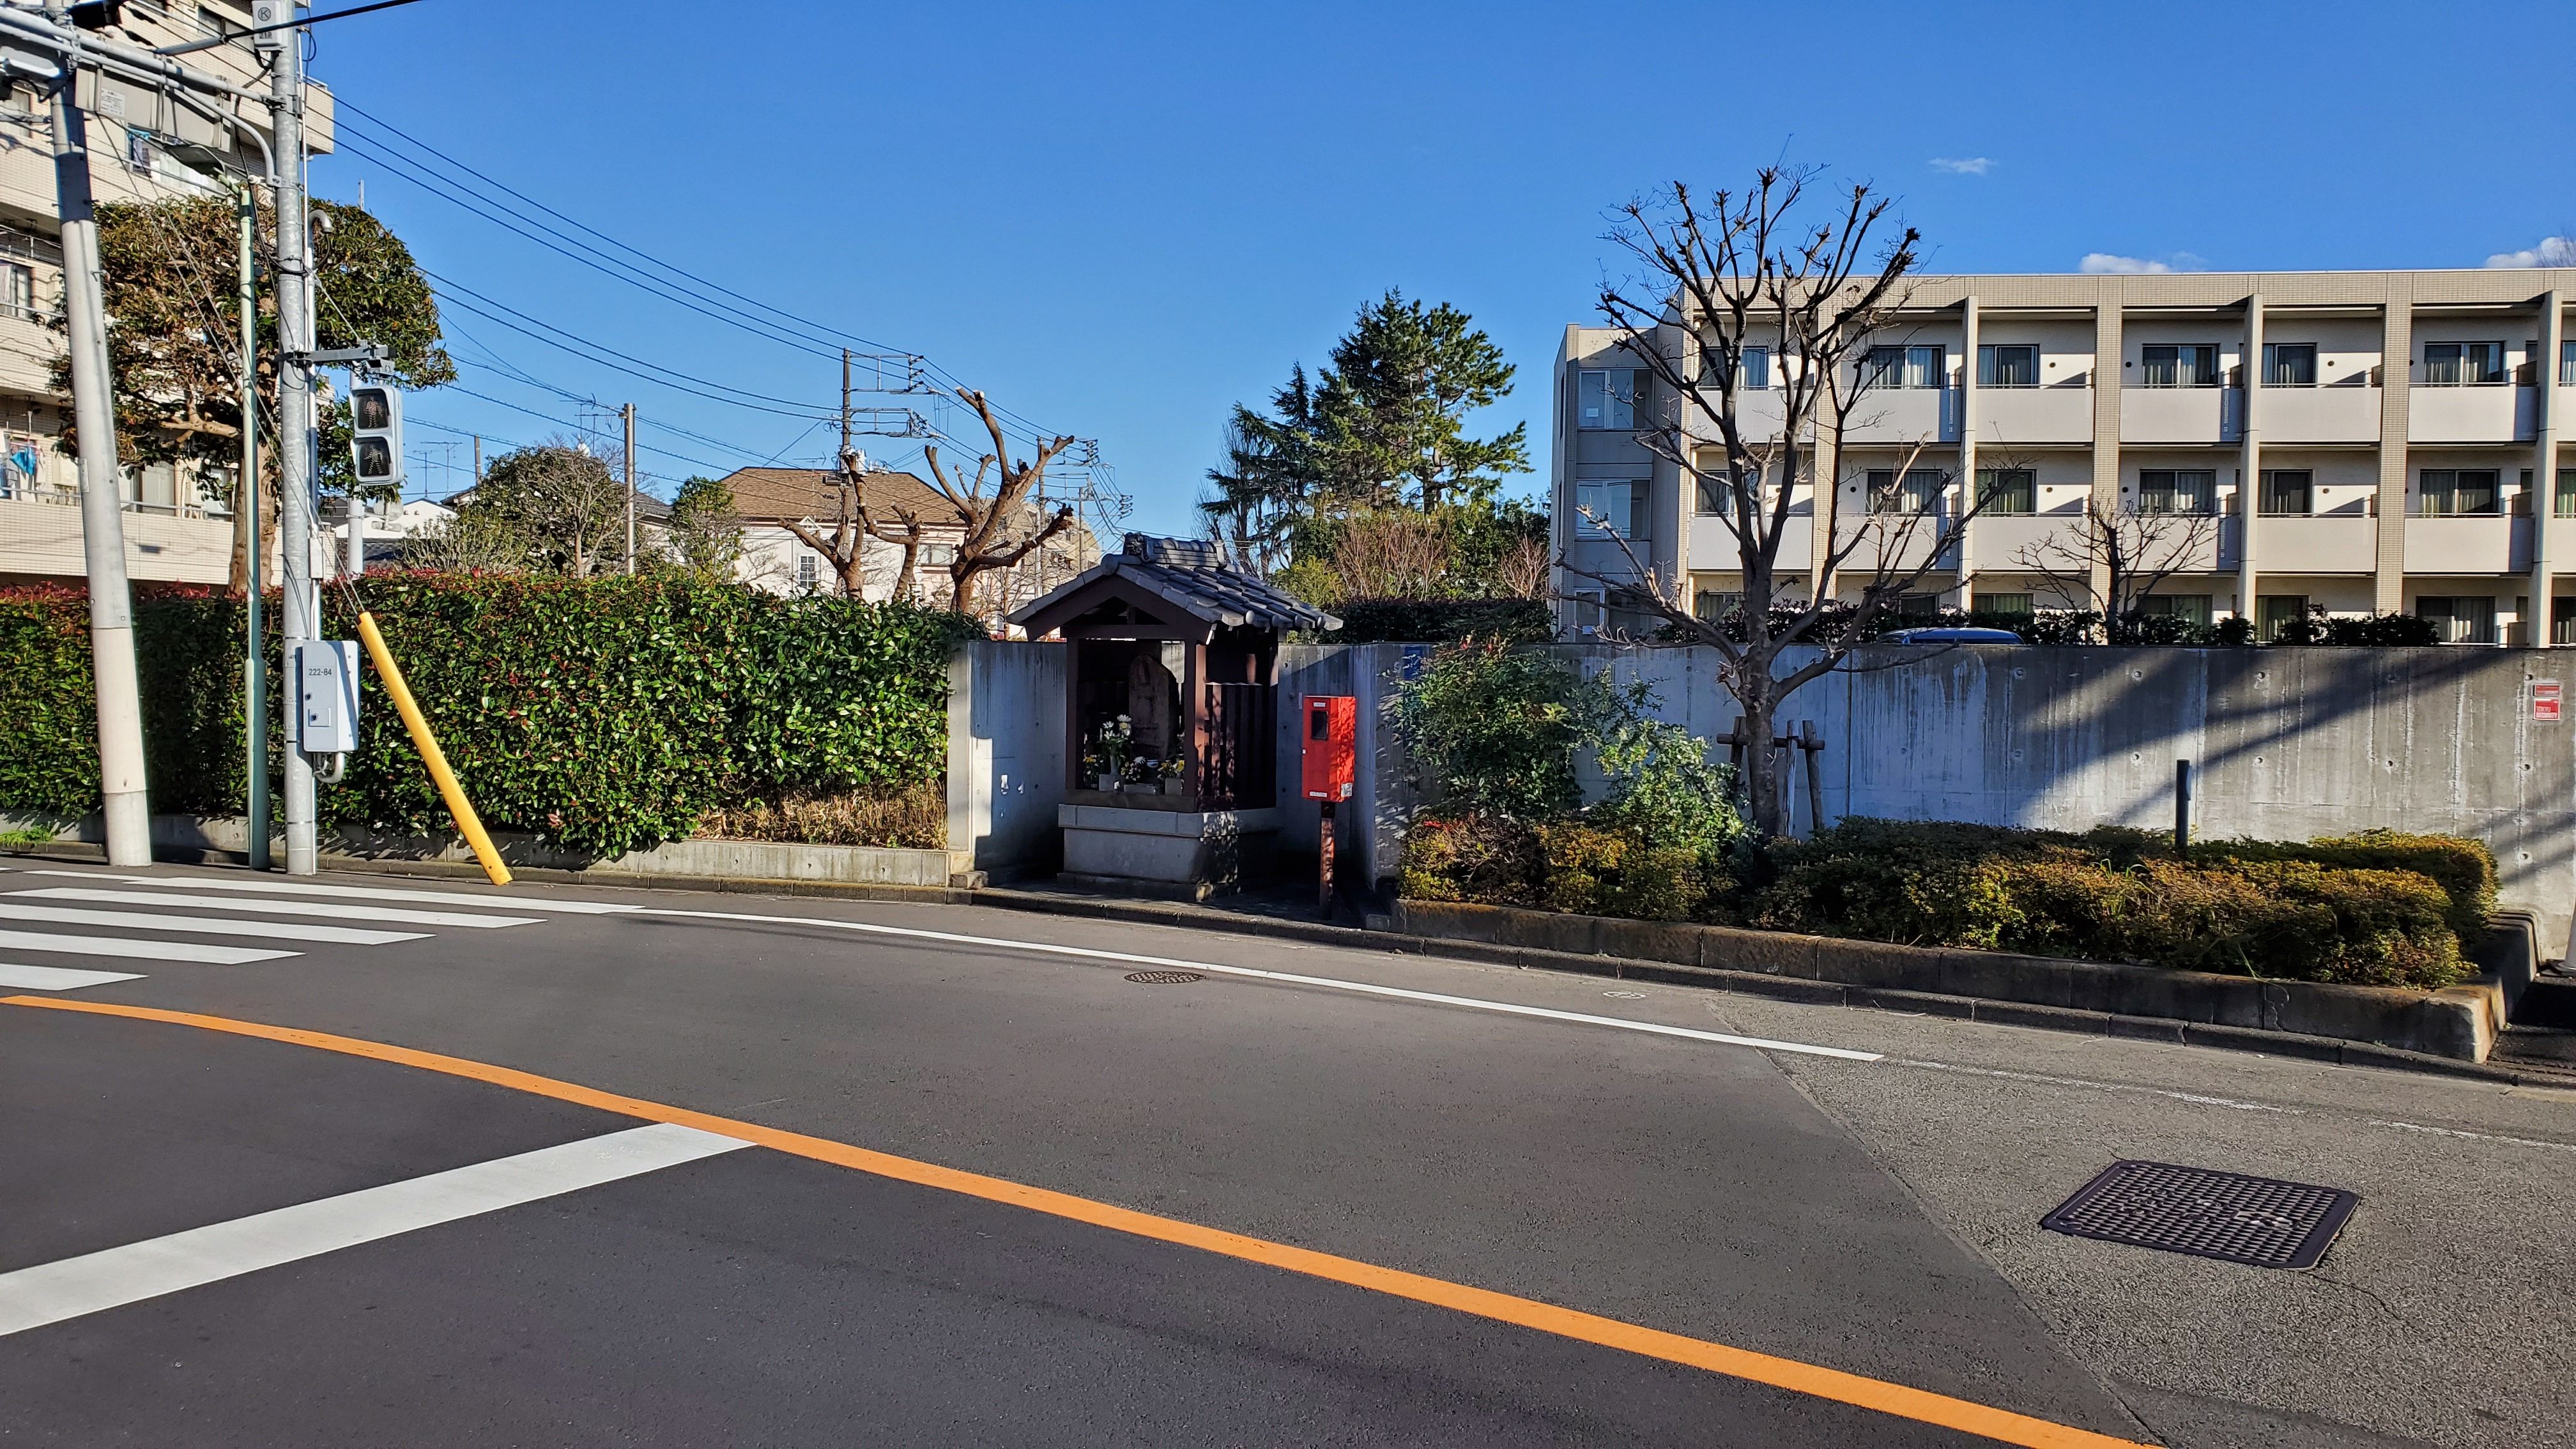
[{"x": 376, "y": 446}]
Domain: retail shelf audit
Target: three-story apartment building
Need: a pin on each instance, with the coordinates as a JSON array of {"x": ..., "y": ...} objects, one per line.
[
  {"x": 174, "y": 528},
  {"x": 2361, "y": 442}
]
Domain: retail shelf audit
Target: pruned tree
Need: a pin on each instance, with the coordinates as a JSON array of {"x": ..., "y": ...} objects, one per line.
[
  {"x": 562, "y": 497},
  {"x": 2112, "y": 558},
  {"x": 172, "y": 288},
  {"x": 1812, "y": 283},
  {"x": 474, "y": 541},
  {"x": 1004, "y": 525}
]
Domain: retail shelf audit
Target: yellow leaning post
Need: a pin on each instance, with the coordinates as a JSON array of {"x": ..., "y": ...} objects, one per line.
[{"x": 454, "y": 794}]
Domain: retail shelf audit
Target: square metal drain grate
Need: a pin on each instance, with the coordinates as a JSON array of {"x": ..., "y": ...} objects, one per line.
[{"x": 2254, "y": 1220}]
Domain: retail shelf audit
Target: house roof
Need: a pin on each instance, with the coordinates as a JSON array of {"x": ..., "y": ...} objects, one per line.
[
  {"x": 775, "y": 495},
  {"x": 1186, "y": 575}
]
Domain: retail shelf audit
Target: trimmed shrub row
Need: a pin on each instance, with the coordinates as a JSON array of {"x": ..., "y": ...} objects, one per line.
[
  {"x": 2379, "y": 908},
  {"x": 605, "y": 714},
  {"x": 1435, "y": 621}
]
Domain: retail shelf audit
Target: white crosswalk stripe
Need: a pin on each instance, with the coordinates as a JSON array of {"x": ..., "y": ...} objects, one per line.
[
  {"x": 57, "y": 978},
  {"x": 131, "y": 949},
  {"x": 327, "y": 910},
  {"x": 204, "y": 925},
  {"x": 271, "y": 887}
]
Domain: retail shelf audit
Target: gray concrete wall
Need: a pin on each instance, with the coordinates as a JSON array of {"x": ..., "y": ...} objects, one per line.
[
  {"x": 1006, "y": 765},
  {"x": 2285, "y": 744},
  {"x": 1369, "y": 831}
]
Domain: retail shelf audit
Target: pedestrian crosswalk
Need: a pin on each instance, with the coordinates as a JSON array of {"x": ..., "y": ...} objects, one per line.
[{"x": 149, "y": 920}]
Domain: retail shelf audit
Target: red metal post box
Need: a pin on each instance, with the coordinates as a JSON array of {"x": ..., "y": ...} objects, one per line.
[{"x": 1332, "y": 746}]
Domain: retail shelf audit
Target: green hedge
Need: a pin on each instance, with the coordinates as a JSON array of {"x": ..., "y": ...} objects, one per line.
[
  {"x": 606, "y": 714},
  {"x": 1439, "y": 621},
  {"x": 2380, "y": 908}
]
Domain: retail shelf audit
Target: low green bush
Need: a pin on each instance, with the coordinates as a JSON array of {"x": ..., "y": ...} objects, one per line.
[
  {"x": 2376, "y": 909},
  {"x": 1441, "y": 621}
]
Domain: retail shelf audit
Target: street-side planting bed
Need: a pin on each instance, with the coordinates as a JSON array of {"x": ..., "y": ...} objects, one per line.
[
  {"x": 2376, "y": 909},
  {"x": 603, "y": 716}
]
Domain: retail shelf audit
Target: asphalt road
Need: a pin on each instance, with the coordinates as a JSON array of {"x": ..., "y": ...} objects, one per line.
[{"x": 214, "y": 1238}]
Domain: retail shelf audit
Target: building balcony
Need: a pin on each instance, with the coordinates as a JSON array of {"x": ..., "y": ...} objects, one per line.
[
  {"x": 2021, "y": 540},
  {"x": 1903, "y": 416},
  {"x": 1713, "y": 545},
  {"x": 2301, "y": 543},
  {"x": 2007, "y": 415},
  {"x": 2181, "y": 414},
  {"x": 2476, "y": 544},
  {"x": 42, "y": 538},
  {"x": 2491, "y": 413},
  {"x": 1759, "y": 415},
  {"x": 2319, "y": 414},
  {"x": 1895, "y": 543}
]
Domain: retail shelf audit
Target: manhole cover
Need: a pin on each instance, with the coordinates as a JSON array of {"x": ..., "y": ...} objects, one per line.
[
  {"x": 1165, "y": 978},
  {"x": 2254, "y": 1220}
]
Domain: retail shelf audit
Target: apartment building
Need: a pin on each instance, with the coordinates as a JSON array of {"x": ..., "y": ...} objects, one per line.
[
  {"x": 2361, "y": 442},
  {"x": 174, "y": 527}
]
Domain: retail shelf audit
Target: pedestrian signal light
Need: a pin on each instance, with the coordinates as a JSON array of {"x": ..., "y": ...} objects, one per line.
[{"x": 376, "y": 444}]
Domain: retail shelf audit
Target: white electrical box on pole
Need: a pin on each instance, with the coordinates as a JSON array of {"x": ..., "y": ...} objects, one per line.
[
  {"x": 296, "y": 443},
  {"x": 111, "y": 601}
]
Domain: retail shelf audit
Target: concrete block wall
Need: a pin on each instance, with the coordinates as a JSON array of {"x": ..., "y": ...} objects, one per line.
[{"x": 1006, "y": 764}]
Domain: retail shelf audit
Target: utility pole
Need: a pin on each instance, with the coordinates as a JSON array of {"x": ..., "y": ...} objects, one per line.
[
  {"x": 478, "y": 460},
  {"x": 285, "y": 49},
  {"x": 845, "y": 403},
  {"x": 111, "y": 601},
  {"x": 629, "y": 413},
  {"x": 255, "y": 665}
]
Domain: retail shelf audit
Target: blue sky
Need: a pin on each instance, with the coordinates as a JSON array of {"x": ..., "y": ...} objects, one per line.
[{"x": 1118, "y": 221}]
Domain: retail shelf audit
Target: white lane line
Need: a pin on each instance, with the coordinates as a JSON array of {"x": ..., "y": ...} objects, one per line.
[
  {"x": 204, "y": 925},
  {"x": 137, "y": 950},
  {"x": 1506, "y": 1008},
  {"x": 512, "y": 902},
  {"x": 58, "y": 978},
  {"x": 95, "y": 1282},
  {"x": 327, "y": 910}
]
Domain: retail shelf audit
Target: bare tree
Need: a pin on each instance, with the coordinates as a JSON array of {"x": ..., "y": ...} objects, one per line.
[
  {"x": 1814, "y": 284},
  {"x": 853, "y": 524},
  {"x": 2114, "y": 558},
  {"x": 1002, "y": 527}
]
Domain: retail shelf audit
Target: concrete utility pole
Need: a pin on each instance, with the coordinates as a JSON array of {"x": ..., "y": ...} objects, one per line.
[
  {"x": 295, "y": 418},
  {"x": 111, "y": 601},
  {"x": 255, "y": 661},
  {"x": 628, "y": 412},
  {"x": 845, "y": 403}
]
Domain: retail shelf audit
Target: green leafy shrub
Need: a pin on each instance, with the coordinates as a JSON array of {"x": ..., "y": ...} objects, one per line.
[
  {"x": 1484, "y": 858},
  {"x": 1498, "y": 730},
  {"x": 608, "y": 714},
  {"x": 2465, "y": 869}
]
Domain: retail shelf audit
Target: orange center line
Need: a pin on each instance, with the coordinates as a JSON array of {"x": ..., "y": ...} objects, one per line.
[{"x": 1794, "y": 1375}]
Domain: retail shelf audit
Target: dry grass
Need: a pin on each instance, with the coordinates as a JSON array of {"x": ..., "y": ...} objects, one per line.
[{"x": 913, "y": 816}]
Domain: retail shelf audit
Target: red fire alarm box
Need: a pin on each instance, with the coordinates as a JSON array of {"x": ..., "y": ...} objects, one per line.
[{"x": 1331, "y": 736}]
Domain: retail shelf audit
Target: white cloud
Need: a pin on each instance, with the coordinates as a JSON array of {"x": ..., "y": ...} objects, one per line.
[
  {"x": 2106, "y": 264},
  {"x": 1963, "y": 165},
  {"x": 2553, "y": 251}
]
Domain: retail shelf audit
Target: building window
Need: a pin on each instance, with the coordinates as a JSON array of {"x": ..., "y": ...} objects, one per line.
[
  {"x": 2000, "y": 604},
  {"x": 2459, "y": 618},
  {"x": 2289, "y": 364},
  {"x": 2443, "y": 491},
  {"x": 1712, "y": 605},
  {"x": 1716, "y": 492},
  {"x": 1919, "y": 606},
  {"x": 17, "y": 292},
  {"x": 2010, "y": 365},
  {"x": 2567, "y": 363},
  {"x": 1607, "y": 401},
  {"x": 805, "y": 571},
  {"x": 2562, "y": 620},
  {"x": 2288, "y": 492},
  {"x": 2191, "y": 608},
  {"x": 1914, "y": 367},
  {"x": 1609, "y": 509},
  {"x": 2177, "y": 490},
  {"x": 2188, "y": 364},
  {"x": 939, "y": 555},
  {"x": 2463, "y": 364},
  {"x": 2008, "y": 490},
  {"x": 1752, "y": 368},
  {"x": 1919, "y": 491},
  {"x": 2276, "y": 611},
  {"x": 2567, "y": 492}
]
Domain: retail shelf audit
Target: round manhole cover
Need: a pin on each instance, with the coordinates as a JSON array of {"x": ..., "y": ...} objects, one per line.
[{"x": 1164, "y": 978}]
